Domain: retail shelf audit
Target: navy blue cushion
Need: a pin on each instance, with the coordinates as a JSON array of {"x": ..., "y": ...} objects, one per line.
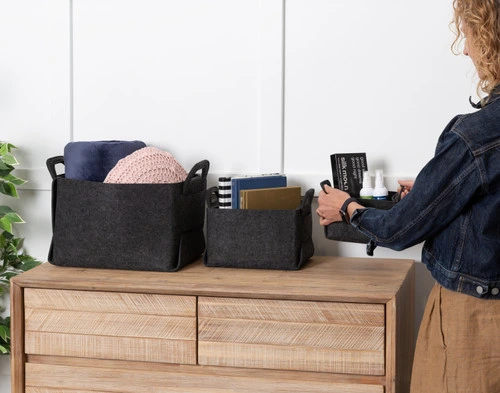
[{"x": 93, "y": 160}]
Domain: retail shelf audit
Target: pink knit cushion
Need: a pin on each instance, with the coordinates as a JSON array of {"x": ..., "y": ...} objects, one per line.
[{"x": 147, "y": 165}]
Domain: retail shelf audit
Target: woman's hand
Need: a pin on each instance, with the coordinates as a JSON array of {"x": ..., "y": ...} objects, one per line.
[
  {"x": 405, "y": 186},
  {"x": 329, "y": 204}
]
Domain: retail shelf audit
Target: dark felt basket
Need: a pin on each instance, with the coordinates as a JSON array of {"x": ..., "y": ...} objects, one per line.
[
  {"x": 258, "y": 239},
  {"x": 157, "y": 227},
  {"x": 347, "y": 233}
]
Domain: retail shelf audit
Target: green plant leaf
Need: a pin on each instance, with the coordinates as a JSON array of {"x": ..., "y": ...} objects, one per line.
[
  {"x": 6, "y": 210},
  {"x": 6, "y": 224},
  {"x": 8, "y": 275},
  {"x": 9, "y": 159},
  {"x": 8, "y": 219},
  {"x": 15, "y": 180},
  {"x": 4, "y": 332},
  {"x": 8, "y": 189},
  {"x": 5, "y": 169},
  {"x": 16, "y": 244},
  {"x": 29, "y": 265},
  {"x": 5, "y": 237},
  {"x": 6, "y": 148},
  {"x": 10, "y": 214}
]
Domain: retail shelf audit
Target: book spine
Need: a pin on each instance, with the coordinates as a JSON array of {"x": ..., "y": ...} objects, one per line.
[{"x": 235, "y": 194}]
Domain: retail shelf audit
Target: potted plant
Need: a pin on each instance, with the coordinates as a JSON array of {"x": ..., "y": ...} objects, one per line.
[{"x": 12, "y": 260}]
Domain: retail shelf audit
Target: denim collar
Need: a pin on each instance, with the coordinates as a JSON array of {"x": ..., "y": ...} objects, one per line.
[{"x": 495, "y": 95}]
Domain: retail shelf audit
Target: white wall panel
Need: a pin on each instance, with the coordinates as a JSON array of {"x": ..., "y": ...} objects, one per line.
[
  {"x": 34, "y": 111},
  {"x": 34, "y": 81},
  {"x": 180, "y": 75},
  {"x": 372, "y": 76}
]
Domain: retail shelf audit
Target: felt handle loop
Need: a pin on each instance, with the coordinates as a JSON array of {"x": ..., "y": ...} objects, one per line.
[
  {"x": 212, "y": 197},
  {"x": 305, "y": 206},
  {"x": 51, "y": 165},
  {"x": 194, "y": 182}
]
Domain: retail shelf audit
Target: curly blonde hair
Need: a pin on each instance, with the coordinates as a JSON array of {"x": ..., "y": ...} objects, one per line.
[{"x": 483, "y": 20}]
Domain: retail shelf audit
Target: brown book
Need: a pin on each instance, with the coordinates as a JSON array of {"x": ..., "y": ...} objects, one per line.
[{"x": 279, "y": 198}]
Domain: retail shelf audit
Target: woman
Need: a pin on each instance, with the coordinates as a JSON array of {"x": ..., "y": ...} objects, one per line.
[{"x": 454, "y": 206}]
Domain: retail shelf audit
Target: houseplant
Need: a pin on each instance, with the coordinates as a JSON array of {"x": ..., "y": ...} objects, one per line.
[{"x": 12, "y": 260}]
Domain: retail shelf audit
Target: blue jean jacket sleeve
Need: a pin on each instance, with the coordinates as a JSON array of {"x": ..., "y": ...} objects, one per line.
[{"x": 444, "y": 187}]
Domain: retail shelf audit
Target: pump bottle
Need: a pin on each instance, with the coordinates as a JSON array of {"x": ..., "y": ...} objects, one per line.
[
  {"x": 380, "y": 191},
  {"x": 367, "y": 191}
]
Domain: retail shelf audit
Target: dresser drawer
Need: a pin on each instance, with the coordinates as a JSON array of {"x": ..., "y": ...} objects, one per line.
[
  {"x": 82, "y": 377},
  {"x": 109, "y": 325},
  {"x": 292, "y": 335}
]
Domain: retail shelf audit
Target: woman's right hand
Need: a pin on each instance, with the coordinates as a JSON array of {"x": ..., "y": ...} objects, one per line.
[{"x": 406, "y": 186}]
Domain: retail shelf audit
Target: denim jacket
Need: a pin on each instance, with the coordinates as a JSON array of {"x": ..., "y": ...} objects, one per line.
[{"x": 454, "y": 206}]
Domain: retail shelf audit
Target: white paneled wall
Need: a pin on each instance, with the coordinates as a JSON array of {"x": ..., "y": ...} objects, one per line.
[
  {"x": 371, "y": 76},
  {"x": 34, "y": 79},
  {"x": 251, "y": 85},
  {"x": 183, "y": 76}
]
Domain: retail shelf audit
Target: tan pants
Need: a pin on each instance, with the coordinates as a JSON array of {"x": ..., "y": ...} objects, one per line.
[{"x": 458, "y": 346}]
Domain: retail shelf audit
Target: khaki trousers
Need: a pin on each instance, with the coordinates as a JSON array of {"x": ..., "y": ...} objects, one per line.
[{"x": 458, "y": 345}]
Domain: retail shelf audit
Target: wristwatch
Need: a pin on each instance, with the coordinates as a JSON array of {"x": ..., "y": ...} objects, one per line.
[{"x": 343, "y": 210}]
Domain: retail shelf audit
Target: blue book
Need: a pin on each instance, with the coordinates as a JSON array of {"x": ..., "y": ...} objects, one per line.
[{"x": 253, "y": 182}]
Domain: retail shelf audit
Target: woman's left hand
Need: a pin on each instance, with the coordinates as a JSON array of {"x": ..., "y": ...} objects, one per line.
[{"x": 329, "y": 204}]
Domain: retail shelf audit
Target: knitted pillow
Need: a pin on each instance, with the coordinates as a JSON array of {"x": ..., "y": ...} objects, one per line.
[{"x": 147, "y": 165}]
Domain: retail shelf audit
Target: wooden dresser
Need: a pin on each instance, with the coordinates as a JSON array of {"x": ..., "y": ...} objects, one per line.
[{"x": 337, "y": 325}]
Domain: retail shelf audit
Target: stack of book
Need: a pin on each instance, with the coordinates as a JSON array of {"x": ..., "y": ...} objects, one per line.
[{"x": 261, "y": 192}]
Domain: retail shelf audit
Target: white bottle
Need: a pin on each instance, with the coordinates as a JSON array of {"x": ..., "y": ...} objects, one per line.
[
  {"x": 367, "y": 191},
  {"x": 379, "y": 192}
]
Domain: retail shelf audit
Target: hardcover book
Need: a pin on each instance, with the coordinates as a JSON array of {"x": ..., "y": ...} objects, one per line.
[
  {"x": 347, "y": 171},
  {"x": 279, "y": 198}
]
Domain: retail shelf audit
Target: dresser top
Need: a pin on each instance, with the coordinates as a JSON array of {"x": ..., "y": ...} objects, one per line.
[{"x": 320, "y": 279}]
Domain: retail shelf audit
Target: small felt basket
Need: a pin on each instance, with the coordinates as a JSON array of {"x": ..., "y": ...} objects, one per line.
[
  {"x": 258, "y": 239},
  {"x": 156, "y": 227}
]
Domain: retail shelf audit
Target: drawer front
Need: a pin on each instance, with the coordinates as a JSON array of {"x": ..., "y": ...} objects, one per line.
[
  {"x": 50, "y": 378},
  {"x": 292, "y": 335},
  {"x": 107, "y": 325}
]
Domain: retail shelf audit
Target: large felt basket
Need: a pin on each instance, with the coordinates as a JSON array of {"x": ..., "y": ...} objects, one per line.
[
  {"x": 157, "y": 227},
  {"x": 259, "y": 239}
]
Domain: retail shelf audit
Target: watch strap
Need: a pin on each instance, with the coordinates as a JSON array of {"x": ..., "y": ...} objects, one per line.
[{"x": 343, "y": 210}]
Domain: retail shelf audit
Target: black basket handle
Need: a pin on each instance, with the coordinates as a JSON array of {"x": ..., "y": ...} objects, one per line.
[
  {"x": 305, "y": 206},
  {"x": 212, "y": 197},
  {"x": 322, "y": 184},
  {"x": 194, "y": 182},
  {"x": 51, "y": 165}
]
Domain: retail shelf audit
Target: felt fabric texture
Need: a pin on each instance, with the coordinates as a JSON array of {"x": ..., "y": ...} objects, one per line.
[
  {"x": 259, "y": 239},
  {"x": 155, "y": 227},
  {"x": 93, "y": 160},
  {"x": 147, "y": 165}
]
